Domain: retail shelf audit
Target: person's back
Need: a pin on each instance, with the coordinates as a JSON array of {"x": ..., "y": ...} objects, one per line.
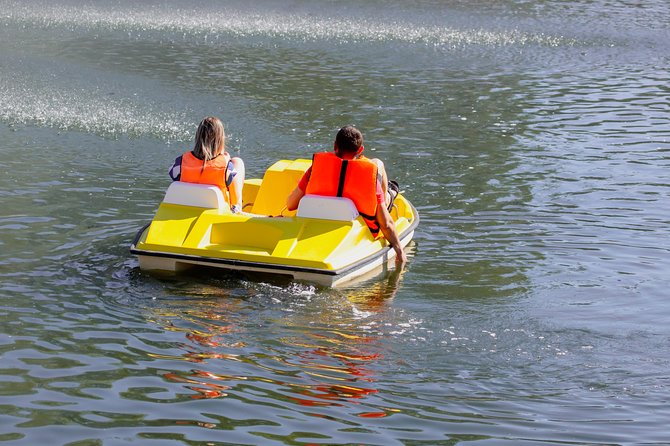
[
  {"x": 209, "y": 163},
  {"x": 355, "y": 179},
  {"x": 346, "y": 172}
]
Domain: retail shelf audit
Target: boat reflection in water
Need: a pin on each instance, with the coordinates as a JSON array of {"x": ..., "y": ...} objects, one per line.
[{"x": 321, "y": 347}]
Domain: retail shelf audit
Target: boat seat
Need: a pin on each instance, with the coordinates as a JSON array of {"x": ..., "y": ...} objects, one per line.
[
  {"x": 278, "y": 182},
  {"x": 196, "y": 195},
  {"x": 327, "y": 208}
]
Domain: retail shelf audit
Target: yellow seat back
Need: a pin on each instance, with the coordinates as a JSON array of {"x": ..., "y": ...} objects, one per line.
[{"x": 278, "y": 182}]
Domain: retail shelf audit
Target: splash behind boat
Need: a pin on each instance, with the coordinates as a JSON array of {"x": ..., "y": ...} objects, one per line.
[{"x": 325, "y": 241}]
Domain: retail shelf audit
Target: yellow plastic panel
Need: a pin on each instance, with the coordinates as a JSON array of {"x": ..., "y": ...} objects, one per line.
[
  {"x": 278, "y": 182},
  {"x": 319, "y": 238},
  {"x": 255, "y": 236},
  {"x": 172, "y": 224},
  {"x": 250, "y": 192}
]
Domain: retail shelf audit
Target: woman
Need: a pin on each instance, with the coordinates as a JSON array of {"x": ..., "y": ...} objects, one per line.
[{"x": 209, "y": 163}]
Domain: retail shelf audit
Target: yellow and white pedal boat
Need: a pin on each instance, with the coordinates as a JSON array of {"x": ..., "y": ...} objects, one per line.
[{"x": 325, "y": 241}]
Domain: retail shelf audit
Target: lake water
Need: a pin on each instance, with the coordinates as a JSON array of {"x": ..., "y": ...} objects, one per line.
[{"x": 533, "y": 138}]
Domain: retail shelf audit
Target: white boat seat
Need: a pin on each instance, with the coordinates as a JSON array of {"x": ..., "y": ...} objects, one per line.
[
  {"x": 196, "y": 195},
  {"x": 327, "y": 208}
]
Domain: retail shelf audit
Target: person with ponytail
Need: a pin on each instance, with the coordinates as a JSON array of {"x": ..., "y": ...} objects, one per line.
[{"x": 209, "y": 163}]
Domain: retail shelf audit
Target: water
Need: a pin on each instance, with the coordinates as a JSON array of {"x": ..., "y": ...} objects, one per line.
[{"x": 531, "y": 136}]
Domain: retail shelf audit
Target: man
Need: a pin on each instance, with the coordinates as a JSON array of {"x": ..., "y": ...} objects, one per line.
[{"x": 347, "y": 173}]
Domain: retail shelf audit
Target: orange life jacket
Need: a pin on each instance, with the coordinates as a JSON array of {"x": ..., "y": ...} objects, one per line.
[
  {"x": 354, "y": 179},
  {"x": 215, "y": 171}
]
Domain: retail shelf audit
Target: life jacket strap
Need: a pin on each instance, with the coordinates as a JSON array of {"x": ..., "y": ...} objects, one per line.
[{"x": 343, "y": 175}]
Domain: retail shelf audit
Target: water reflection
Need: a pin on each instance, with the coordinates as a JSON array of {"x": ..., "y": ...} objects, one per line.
[
  {"x": 374, "y": 295},
  {"x": 313, "y": 349}
]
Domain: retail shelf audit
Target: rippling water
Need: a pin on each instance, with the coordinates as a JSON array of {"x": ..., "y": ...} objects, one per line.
[{"x": 531, "y": 136}]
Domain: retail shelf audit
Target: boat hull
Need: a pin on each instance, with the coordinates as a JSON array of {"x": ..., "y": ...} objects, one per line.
[{"x": 179, "y": 263}]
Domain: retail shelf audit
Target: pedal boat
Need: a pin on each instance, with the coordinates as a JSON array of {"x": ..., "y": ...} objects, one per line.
[{"x": 325, "y": 241}]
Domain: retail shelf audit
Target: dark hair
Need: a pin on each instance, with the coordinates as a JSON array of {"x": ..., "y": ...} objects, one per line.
[{"x": 349, "y": 139}]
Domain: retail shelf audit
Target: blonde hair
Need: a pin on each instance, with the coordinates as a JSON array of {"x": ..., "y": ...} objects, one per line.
[{"x": 209, "y": 139}]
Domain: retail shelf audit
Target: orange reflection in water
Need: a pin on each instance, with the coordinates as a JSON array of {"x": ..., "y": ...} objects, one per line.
[
  {"x": 338, "y": 370},
  {"x": 331, "y": 367},
  {"x": 210, "y": 326},
  {"x": 372, "y": 414},
  {"x": 202, "y": 388},
  {"x": 340, "y": 358},
  {"x": 375, "y": 296},
  {"x": 330, "y": 394}
]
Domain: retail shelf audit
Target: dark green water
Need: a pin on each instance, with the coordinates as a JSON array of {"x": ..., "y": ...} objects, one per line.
[{"x": 533, "y": 138}]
